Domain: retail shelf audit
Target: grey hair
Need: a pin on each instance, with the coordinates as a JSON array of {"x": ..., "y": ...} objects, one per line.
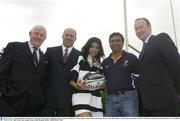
[{"x": 39, "y": 27}]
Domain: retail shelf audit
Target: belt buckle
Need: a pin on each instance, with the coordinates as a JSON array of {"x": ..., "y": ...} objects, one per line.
[
  {"x": 122, "y": 92},
  {"x": 116, "y": 93}
]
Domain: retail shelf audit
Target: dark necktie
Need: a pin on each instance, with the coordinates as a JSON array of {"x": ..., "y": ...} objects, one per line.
[
  {"x": 65, "y": 55},
  {"x": 35, "y": 58},
  {"x": 142, "y": 51}
]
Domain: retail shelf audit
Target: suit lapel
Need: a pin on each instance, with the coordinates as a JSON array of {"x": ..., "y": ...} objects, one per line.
[
  {"x": 71, "y": 54},
  {"x": 28, "y": 51},
  {"x": 147, "y": 51},
  {"x": 142, "y": 54},
  {"x": 41, "y": 56},
  {"x": 59, "y": 53},
  {"x": 142, "y": 51},
  {"x": 30, "y": 56}
]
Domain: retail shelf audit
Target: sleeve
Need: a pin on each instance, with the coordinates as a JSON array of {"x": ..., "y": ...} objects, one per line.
[
  {"x": 74, "y": 73},
  {"x": 5, "y": 65},
  {"x": 171, "y": 56},
  {"x": 135, "y": 72}
]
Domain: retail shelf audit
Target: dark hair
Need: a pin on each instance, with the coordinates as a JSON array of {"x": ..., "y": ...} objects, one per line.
[
  {"x": 116, "y": 34},
  {"x": 86, "y": 47},
  {"x": 145, "y": 19}
]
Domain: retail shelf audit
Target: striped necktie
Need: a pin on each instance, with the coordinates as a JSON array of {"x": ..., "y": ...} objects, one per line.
[
  {"x": 65, "y": 55},
  {"x": 35, "y": 58}
]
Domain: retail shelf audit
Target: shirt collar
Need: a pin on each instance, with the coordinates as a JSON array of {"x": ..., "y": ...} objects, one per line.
[
  {"x": 91, "y": 63},
  {"x": 69, "y": 49},
  {"x": 146, "y": 41},
  {"x": 31, "y": 46},
  {"x": 111, "y": 54}
]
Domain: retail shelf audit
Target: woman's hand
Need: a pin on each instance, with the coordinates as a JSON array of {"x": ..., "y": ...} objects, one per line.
[{"x": 81, "y": 85}]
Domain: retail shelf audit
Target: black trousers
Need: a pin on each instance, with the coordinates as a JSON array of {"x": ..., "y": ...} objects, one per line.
[
  {"x": 165, "y": 112},
  {"x": 141, "y": 108},
  {"x": 68, "y": 112}
]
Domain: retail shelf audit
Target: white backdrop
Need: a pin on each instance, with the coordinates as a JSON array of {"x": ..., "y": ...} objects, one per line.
[{"x": 89, "y": 17}]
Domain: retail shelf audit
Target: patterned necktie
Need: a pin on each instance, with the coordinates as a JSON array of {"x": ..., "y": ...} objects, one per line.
[
  {"x": 35, "y": 58},
  {"x": 142, "y": 51},
  {"x": 65, "y": 55}
]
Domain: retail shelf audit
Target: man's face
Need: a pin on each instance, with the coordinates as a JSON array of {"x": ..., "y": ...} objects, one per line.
[
  {"x": 116, "y": 43},
  {"x": 37, "y": 37},
  {"x": 142, "y": 29},
  {"x": 69, "y": 37}
]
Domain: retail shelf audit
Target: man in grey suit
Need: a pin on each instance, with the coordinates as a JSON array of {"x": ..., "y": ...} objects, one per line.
[
  {"x": 159, "y": 71},
  {"x": 61, "y": 59}
]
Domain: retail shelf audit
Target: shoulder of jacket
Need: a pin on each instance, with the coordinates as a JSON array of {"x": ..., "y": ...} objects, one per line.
[
  {"x": 14, "y": 44},
  {"x": 162, "y": 34},
  {"x": 53, "y": 48},
  {"x": 162, "y": 37},
  {"x": 76, "y": 50}
]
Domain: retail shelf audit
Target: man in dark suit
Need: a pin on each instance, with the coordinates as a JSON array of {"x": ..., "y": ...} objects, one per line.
[
  {"x": 61, "y": 60},
  {"x": 159, "y": 71},
  {"x": 22, "y": 76}
]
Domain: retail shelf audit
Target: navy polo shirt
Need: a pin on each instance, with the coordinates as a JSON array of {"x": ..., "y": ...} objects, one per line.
[{"x": 123, "y": 74}]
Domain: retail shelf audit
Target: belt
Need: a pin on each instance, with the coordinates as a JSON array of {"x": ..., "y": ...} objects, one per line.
[{"x": 120, "y": 92}]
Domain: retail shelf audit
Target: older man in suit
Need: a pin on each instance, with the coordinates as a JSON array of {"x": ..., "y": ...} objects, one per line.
[
  {"x": 159, "y": 71},
  {"x": 61, "y": 59},
  {"x": 22, "y": 76}
]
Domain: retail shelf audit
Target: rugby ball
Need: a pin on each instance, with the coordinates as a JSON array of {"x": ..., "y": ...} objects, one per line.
[{"x": 94, "y": 80}]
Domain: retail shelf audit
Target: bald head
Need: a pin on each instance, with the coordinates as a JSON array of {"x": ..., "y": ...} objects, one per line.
[
  {"x": 69, "y": 37},
  {"x": 71, "y": 30}
]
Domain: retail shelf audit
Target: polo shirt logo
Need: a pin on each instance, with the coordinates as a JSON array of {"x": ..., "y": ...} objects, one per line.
[{"x": 125, "y": 63}]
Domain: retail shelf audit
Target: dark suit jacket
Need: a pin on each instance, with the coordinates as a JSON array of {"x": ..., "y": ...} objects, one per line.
[
  {"x": 58, "y": 87},
  {"x": 160, "y": 73},
  {"x": 21, "y": 83}
]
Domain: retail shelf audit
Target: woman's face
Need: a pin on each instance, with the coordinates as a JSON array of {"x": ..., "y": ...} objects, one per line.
[{"x": 94, "y": 49}]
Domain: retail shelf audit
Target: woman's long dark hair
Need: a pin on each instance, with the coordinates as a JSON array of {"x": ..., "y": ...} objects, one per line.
[{"x": 86, "y": 47}]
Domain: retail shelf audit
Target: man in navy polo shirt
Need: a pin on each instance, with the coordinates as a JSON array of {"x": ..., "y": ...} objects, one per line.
[{"x": 120, "y": 70}]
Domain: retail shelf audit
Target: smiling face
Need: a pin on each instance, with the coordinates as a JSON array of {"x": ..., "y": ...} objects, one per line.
[
  {"x": 94, "y": 49},
  {"x": 142, "y": 29},
  {"x": 69, "y": 37},
  {"x": 37, "y": 36},
  {"x": 116, "y": 43}
]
